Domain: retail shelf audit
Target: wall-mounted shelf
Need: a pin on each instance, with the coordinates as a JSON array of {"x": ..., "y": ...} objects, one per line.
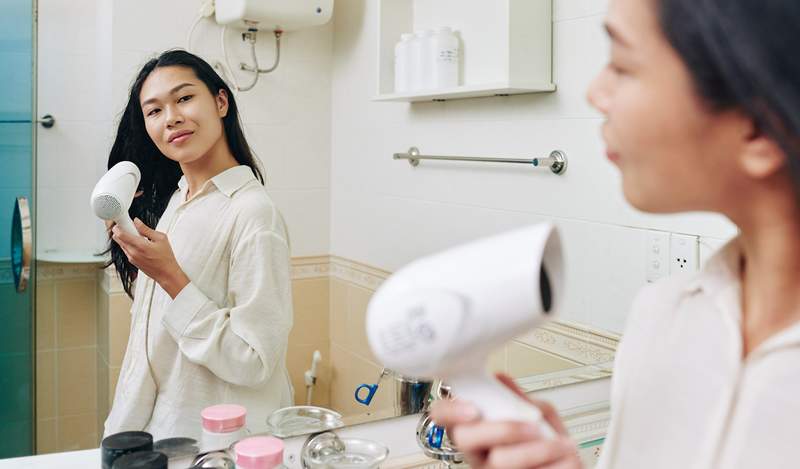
[
  {"x": 506, "y": 45},
  {"x": 471, "y": 91}
]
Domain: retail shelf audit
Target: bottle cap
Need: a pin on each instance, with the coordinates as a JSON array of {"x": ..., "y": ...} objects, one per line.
[
  {"x": 223, "y": 418},
  {"x": 119, "y": 444},
  {"x": 259, "y": 452}
]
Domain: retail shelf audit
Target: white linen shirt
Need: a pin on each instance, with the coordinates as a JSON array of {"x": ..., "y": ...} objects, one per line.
[
  {"x": 682, "y": 394},
  {"x": 223, "y": 338}
]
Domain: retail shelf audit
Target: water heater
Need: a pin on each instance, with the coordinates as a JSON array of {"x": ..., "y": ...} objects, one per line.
[{"x": 271, "y": 15}]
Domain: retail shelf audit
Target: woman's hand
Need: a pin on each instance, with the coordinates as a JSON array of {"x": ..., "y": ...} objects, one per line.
[
  {"x": 152, "y": 254},
  {"x": 507, "y": 445}
]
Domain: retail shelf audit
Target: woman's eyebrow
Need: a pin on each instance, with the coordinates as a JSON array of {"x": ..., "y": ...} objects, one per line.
[{"x": 172, "y": 91}]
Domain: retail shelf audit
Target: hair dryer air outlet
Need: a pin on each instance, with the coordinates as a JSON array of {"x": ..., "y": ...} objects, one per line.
[{"x": 113, "y": 194}]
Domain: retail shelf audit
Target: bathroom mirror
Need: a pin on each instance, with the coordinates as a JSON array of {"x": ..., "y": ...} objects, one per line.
[{"x": 355, "y": 215}]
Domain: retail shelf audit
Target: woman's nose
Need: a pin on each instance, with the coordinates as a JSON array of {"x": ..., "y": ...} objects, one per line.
[
  {"x": 173, "y": 117},
  {"x": 598, "y": 93}
]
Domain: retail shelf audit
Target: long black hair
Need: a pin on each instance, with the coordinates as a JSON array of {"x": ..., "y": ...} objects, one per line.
[
  {"x": 160, "y": 175},
  {"x": 740, "y": 56}
]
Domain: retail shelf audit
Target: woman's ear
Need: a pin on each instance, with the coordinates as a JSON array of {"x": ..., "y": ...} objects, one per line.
[
  {"x": 761, "y": 157},
  {"x": 222, "y": 103}
]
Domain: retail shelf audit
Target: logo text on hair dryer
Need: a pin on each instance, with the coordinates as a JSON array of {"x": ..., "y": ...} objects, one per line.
[{"x": 418, "y": 326}]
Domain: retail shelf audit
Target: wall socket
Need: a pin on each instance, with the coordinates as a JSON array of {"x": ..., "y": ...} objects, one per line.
[
  {"x": 657, "y": 255},
  {"x": 684, "y": 253}
]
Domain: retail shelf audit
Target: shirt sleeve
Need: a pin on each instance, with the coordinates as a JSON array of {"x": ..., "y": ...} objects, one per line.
[{"x": 241, "y": 344}]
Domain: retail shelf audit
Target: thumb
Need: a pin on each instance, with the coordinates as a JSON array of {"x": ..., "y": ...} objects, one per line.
[
  {"x": 549, "y": 413},
  {"x": 144, "y": 230}
]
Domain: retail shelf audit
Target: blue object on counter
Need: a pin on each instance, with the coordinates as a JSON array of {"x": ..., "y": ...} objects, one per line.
[
  {"x": 435, "y": 436},
  {"x": 370, "y": 394}
]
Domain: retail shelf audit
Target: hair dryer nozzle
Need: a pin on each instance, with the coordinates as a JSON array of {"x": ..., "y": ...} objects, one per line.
[{"x": 113, "y": 194}]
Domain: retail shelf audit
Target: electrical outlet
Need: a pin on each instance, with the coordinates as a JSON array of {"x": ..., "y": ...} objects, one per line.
[
  {"x": 683, "y": 253},
  {"x": 656, "y": 255}
]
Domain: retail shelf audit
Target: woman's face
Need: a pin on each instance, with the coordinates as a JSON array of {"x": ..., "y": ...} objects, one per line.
[
  {"x": 182, "y": 117},
  {"x": 673, "y": 152}
]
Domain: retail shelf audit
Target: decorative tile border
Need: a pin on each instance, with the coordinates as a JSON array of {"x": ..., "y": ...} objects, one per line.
[
  {"x": 572, "y": 341},
  {"x": 310, "y": 267},
  {"x": 357, "y": 273}
]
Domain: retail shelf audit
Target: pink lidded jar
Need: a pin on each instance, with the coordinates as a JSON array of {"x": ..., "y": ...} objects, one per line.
[
  {"x": 223, "y": 425},
  {"x": 259, "y": 452}
]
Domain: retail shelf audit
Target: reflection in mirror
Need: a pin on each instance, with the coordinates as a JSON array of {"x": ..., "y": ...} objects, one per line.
[{"x": 354, "y": 216}]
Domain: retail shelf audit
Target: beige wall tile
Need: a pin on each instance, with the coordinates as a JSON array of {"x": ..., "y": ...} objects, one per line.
[
  {"x": 357, "y": 300},
  {"x": 119, "y": 327},
  {"x": 76, "y": 319},
  {"x": 527, "y": 361},
  {"x": 348, "y": 371},
  {"x": 46, "y": 436},
  {"x": 310, "y": 304},
  {"x": 45, "y": 316},
  {"x": 46, "y": 385},
  {"x": 298, "y": 360},
  {"x": 78, "y": 432},
  {"x": 338, "y": 311},
  {"x": 102, "y": 323},
  {"x": 77, "y": 381}
]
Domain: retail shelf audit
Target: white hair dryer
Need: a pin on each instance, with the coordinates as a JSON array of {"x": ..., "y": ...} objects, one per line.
[
  {"x": 113, "y": 194},
  {"x": 441, "y": 316}
]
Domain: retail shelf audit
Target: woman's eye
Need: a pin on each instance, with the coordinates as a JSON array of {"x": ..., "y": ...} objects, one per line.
[
  {"x": 153, "y": 112},
  {"x": 185, "y": 98},
  {"x": 617, "y": 69}
]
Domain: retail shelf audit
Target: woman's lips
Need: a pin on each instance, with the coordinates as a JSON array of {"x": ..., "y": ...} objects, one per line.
[
  {"x": 612, "y": 156},
  {"x": 181, "y": 138}
]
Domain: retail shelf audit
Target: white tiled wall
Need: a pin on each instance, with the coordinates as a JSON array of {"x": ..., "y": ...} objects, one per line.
[
  {"x": 91, "y": 50},
  {"x": 385, "y": 213}
]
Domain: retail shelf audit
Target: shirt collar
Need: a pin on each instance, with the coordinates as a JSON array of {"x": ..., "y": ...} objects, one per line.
[
  {"x": 721, "y": 270},
  {"x": 228, "y": 181}
]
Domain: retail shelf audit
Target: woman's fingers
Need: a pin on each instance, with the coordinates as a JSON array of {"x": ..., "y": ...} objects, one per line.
[
  {"x": 540, "y": 454},
  {"x": 549, "y": 413},
  {"x": 448, "y": 413},
  {"x": 482, "y": 436}
]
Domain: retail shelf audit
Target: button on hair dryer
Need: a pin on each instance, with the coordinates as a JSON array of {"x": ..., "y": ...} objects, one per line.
[
  {"x": 113, "y": 194},
  {"x": 441, "y": 316}
]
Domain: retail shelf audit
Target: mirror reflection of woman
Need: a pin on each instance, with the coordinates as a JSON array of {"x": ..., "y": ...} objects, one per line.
[
  {"x": 209, "y": 275},
  {"x": 702, "y": 108}
]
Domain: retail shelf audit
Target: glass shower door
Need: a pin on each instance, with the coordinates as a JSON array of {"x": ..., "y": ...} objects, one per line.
[{"x": 17, "y": 127}]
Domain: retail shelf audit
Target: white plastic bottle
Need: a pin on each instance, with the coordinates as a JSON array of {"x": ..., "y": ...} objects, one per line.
[
  {"x": 402, "y": 64},
  {"x": 446, "y": 50},
  {"x": 421, "y": 57},
  {"x": 223, "y": 425}
]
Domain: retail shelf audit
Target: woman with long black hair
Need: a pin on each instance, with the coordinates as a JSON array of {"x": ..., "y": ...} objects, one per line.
[
  {"x": 212, "y": 306},
  {"x": 702, "y": 107}
]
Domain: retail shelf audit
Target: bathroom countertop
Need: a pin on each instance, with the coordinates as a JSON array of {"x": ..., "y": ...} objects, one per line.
[{"x": 85, "y": 459}]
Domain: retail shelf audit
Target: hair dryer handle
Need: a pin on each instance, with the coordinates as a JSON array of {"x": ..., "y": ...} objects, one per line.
[
  {"x": 497, "y": 402},
  {"x": 126, "y": 224}
]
